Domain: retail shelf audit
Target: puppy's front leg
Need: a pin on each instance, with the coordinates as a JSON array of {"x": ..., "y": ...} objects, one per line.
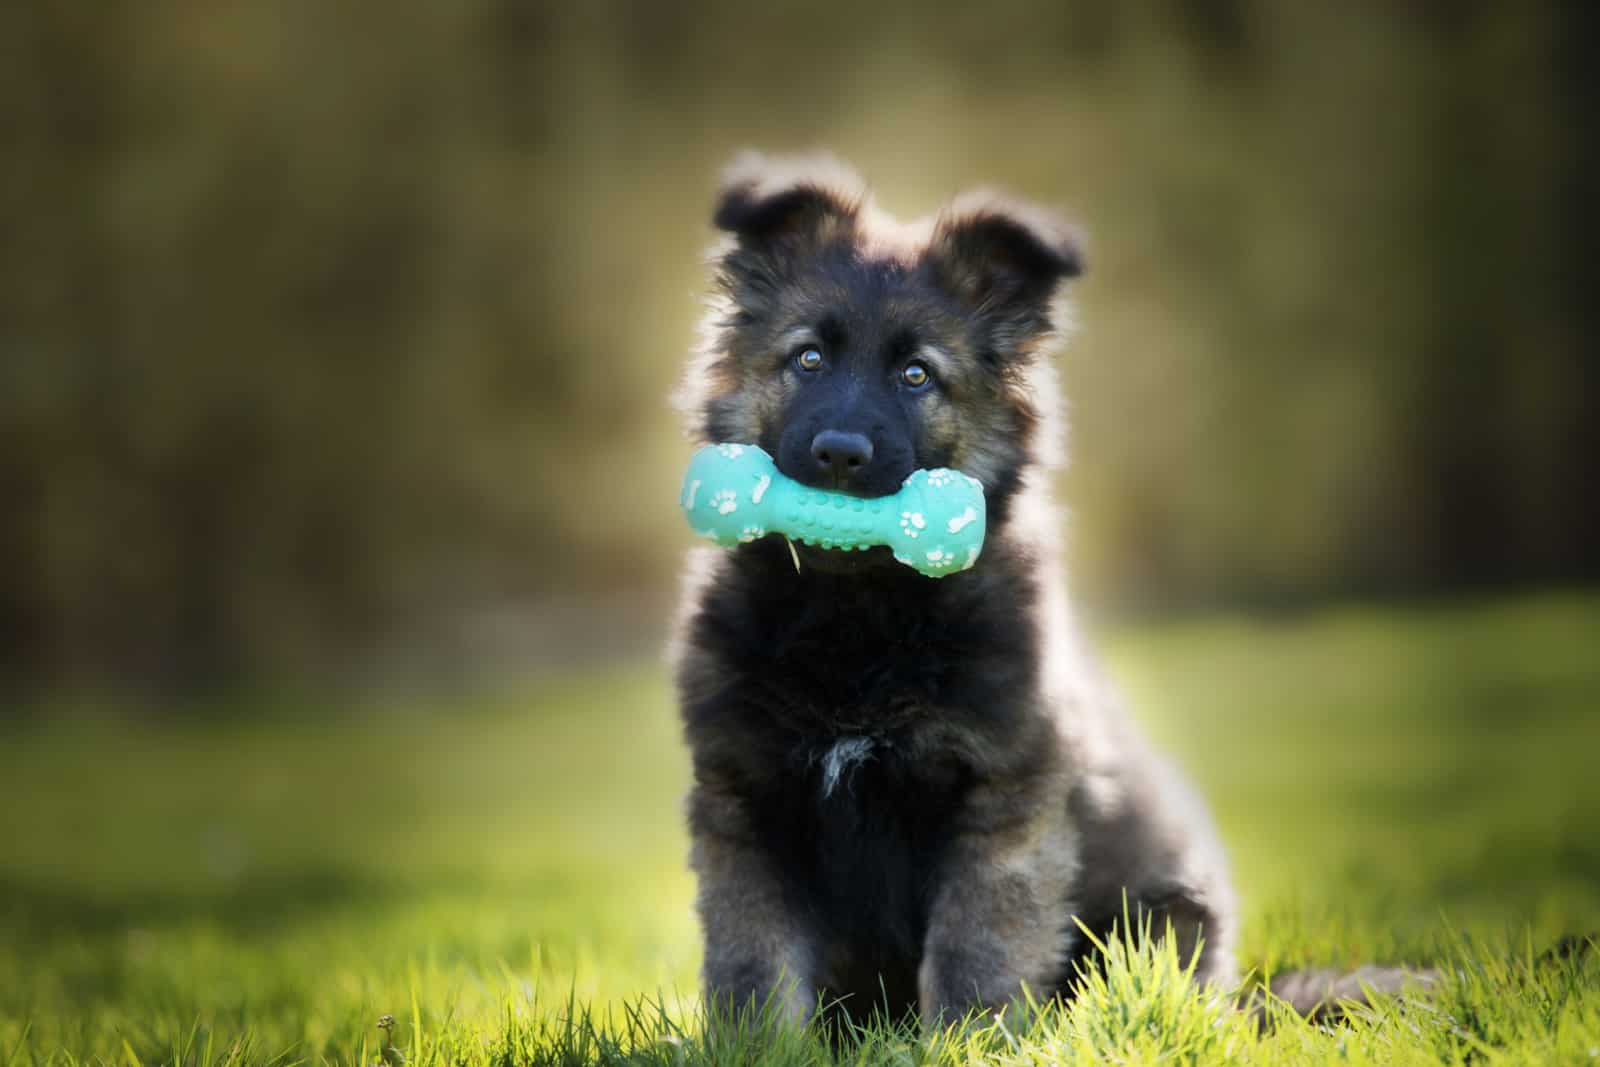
[
  {"x": 1000, "y": 916},
  {"x": 756, "y": 948}
]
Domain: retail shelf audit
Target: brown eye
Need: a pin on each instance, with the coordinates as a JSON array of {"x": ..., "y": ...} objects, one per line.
[
  {"x": 808, "y": 359},
  {"x": 915, "y": 375}
]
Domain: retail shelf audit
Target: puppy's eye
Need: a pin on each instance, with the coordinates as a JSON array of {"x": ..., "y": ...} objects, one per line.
[
  {"x": 808, "y": 359},
  {"x": 916, "y": 374}
]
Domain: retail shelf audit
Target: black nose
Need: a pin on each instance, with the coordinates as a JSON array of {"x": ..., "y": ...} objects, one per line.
[{"x": 841, "y": 454}]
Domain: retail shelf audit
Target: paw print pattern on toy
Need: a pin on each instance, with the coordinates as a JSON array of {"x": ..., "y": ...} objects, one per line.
[
  {"x": 912, "y": 522},
  {"x": 726, "y": 501}
]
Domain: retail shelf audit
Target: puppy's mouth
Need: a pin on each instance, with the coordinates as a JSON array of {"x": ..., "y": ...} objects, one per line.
[
  {"x": 866, "y": 486},
  {"x": 842, "y": 561}
]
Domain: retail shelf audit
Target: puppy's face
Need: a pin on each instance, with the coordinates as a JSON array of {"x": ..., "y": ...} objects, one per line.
[{"x": 855, "y": 349}]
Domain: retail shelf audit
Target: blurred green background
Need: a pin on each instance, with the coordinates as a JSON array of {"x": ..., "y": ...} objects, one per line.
[{"x": 320, "y": 327}]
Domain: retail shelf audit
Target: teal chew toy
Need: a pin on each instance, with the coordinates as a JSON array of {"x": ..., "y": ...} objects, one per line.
[{"x": 934, "y": 524}]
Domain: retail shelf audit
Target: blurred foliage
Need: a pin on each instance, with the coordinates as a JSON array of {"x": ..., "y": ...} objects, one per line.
[{"x": 320, "y": 326}]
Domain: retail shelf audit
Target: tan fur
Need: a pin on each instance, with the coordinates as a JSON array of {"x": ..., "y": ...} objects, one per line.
[
  {"x": 1003, "y": 917},
  {"x": 741, "y": 897}
]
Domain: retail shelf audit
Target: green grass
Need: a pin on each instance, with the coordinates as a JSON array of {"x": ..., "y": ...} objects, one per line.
[{"x": 506, "y": 875}]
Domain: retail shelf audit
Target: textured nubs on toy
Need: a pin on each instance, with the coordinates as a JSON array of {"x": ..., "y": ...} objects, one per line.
[{"x": 934, "y": 524}]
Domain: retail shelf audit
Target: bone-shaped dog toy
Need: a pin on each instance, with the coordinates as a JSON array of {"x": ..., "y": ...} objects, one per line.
[{"x": 934, "y": 524}]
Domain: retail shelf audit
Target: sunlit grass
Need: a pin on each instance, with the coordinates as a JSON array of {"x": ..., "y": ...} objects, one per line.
[{"x": 504, "y": 875}]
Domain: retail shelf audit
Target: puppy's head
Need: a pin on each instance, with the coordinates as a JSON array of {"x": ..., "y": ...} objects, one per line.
[{"x": 856, "y": 349}]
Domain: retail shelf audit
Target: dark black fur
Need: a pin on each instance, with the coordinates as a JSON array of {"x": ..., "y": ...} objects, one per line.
[{"x": 815, "y": 657}]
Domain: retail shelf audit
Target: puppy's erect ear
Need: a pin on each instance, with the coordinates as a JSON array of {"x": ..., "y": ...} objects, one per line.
[
  {"x": 997, "y": 255},
  {"x": 767, "y": 200}
]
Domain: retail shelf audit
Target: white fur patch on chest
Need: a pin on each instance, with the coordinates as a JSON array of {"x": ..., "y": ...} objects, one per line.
[{"x": 842, "y": 759}]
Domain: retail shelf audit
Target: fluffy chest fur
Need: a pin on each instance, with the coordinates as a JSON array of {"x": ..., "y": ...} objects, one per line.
[
  {"x": 828, "y": 676},
  {"x": 849, "y": 717},
  {"x": 855, "y": 850}
]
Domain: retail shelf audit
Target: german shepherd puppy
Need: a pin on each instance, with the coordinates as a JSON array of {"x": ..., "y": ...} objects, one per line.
[{"x": 905, "y": 788}]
